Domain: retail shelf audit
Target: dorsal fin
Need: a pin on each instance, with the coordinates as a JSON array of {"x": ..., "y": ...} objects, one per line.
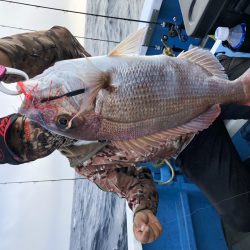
[
  {"x": 131, "y": 45},
  {"x": 143, "y": 146},
  {"x": 205, "y": 59}
]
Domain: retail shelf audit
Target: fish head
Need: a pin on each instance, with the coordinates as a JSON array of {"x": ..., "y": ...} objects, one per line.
[{"x": 48, "y": 102}]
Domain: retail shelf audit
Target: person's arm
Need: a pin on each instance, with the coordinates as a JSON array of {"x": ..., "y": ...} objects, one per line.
[
  {"x": 34, "y": 52},
  {"x": 4, "y": 59},
  {"x": 133, "y": 183},
  {"x": 136, "y": 185},
  {"x": 106, "y": 166}
]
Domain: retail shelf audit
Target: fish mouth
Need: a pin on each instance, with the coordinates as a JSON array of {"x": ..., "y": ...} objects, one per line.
[
  {"x": 28, "y": 89},
  {"x": 34, "y": 115}
]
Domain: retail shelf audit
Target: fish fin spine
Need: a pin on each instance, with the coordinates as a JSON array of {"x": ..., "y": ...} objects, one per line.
[
  {"x": 206, "y": 60},
  {"x": 130, "y": 45}
]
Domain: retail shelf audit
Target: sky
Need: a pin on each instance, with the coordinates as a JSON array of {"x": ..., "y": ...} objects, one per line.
[{"x": 36, "y": 216}]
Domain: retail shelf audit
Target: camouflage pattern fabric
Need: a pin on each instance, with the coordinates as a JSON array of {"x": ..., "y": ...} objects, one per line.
[
  {"x": 34, "y": 52},
  {"x": 113, "y": 171},
  {"x": 35, "y": 142},
  {"x": 135, "y": 184}
]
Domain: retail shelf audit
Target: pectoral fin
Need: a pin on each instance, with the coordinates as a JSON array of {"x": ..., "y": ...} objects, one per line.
[{"x": 94, "y": 80}]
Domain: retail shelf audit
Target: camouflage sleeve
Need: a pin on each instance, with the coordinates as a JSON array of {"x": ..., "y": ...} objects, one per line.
[
  {"x": 133, "y": 183},
  {"x": 33, "y": 52},
  {"x": 107, "y": 167}
]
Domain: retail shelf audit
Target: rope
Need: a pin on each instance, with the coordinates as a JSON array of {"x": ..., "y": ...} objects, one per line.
[
  {"x": 159, "y": 164},
  {"x": 172, "y": 174},
  {"x": 79, "y": 12}
]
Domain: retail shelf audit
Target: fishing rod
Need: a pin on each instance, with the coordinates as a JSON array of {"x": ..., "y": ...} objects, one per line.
[
  {"x": 52, "y": 180},
  {"x": 82, "y": 13}
]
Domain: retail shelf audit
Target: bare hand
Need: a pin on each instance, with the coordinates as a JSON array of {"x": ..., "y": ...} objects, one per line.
[{"x": 147, "y": 227}]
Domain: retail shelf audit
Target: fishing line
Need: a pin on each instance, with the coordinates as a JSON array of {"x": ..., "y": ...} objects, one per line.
[
  {"x": 82, "y": 37},
  {"x": 207, "y": 207},
  {"x": 168, "y": 222},
  {"x": 18, "y": 28},
  {"x": 69, "y": 94},
  {"x": 79, "y": 12},
  {"x": 156, "y": 47},
  {"x": 39, "y": 181}
]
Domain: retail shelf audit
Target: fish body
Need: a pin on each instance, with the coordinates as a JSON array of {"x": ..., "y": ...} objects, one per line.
[
  {"x": 133, "y": 101},
  {"x": 155, "y": 93}
]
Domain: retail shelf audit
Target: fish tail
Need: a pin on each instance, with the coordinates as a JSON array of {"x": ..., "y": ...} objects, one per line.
[{"x": 245, "y": 80}]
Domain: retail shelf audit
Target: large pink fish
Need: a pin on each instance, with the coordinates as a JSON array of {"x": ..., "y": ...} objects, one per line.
[{"x": 136, "y": 102}]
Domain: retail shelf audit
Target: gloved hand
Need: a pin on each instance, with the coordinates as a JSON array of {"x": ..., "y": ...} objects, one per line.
[
  {"x": 147, "y": 227},
  {"x": 29, "y": 141}
]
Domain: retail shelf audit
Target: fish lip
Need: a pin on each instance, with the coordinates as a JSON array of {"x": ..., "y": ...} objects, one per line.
[{"x": 33, "y": 116}]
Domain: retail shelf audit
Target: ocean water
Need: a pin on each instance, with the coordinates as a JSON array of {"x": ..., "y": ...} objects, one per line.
[
  {"x": 99, "y": 218},
  {"x": 110, "y": 29}
]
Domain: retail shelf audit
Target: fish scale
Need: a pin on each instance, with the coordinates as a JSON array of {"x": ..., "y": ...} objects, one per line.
[{"x": 155, "y": 99}]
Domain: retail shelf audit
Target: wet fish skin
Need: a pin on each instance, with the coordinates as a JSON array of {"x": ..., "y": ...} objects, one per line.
[
  {"x": 148, "y": 95},
  {"x": 158, "y": 93},
  {"x": 153, "y": 98}
]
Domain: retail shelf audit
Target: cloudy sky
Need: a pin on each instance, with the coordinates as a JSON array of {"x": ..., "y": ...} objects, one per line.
[{"x": 36, "y": 216}]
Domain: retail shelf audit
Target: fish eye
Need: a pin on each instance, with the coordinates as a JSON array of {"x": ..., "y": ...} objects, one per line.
[{"x": 63, "y": 121}]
